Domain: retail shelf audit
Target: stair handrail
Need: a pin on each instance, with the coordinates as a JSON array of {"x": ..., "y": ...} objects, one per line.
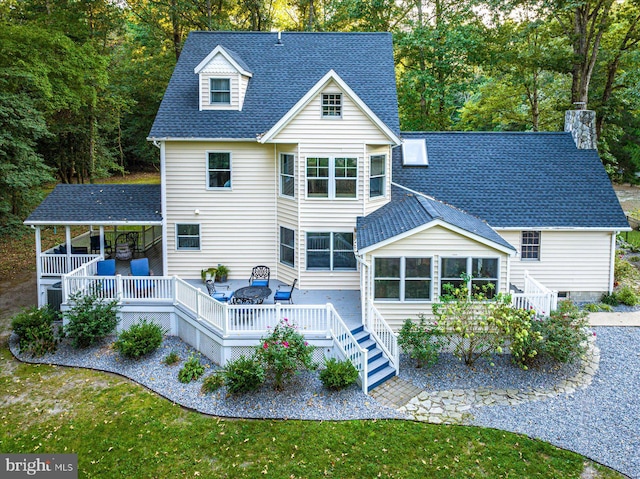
[
  {"x": 383, "y": 335},
  {"x": 348, "y": 345}
]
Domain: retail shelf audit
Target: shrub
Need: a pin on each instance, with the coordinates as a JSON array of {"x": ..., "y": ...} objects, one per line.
[
  {"x": 171, "y": 359},
  {"x": 338, "y": 374},
  {"x": 140, "y": 339},
  {"x": 596, "y": 307},
  {"x": 34, "y": 328},
  {"x": 564, "y": 333},
  {"x": 633, "y": 259},
  {"x": 243, "y": 375},
  {"x": 422, "y": 341},
  {"x": 610, "y": 299},
  {"x": 212, "y": 382},
  {"x": 469, "y": 319},
  {"x": 191, "y": 371},
  {"x": 285, "y": 351},
  {"x": 627, "y": 295},
  {"x": 90, "y": 319}
]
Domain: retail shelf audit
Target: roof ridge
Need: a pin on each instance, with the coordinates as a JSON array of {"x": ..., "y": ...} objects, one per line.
[
  {"x": 461, "y": 132},
  {"x": 428, "y": 207}
]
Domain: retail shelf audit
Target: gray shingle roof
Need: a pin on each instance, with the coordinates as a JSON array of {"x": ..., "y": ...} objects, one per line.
[
  {"x": 407, "y": 211},
  {"x": 99, "y": 204},
  {"x": 281, "y": 76},
  {"x": 523, "y": 180}
]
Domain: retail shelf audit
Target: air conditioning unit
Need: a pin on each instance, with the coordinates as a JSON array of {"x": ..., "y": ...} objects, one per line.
[{"x": 54, "y": 296}]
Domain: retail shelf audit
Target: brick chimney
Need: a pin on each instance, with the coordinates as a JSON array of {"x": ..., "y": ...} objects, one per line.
[{"x": 581, "y": 123}]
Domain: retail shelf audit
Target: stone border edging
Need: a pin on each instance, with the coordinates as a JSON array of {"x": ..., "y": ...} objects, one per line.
[{"x": 454, "y": 406}]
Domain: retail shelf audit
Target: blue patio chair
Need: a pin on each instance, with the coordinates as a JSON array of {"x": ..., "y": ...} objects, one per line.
[
  {"x": 260, "y": 276},
  {"x": 283, "y": 295},
  {"x": 107, "y": 268},
  {"x": 140, "y": 267},
  {"x": 218, "y": 295}
]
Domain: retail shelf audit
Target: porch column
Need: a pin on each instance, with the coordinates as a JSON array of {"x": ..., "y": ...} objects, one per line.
[
  {"x": 101, "y": 241},
  {"x": 67, "y": 229},
  {"x": 39, "y": 267}
]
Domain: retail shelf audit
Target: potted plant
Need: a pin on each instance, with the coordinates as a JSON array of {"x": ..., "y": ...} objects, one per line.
[
  {"x": 221, "y": 273},
  {"x": 208, "y": 274}
]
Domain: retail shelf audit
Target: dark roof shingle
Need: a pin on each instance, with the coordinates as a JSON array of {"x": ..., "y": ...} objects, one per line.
[
  {"x": 99, "y": 204},
  {"x": 282, "y": 75},
  {"x": 407, "y": 211},
  {"x": 521, "y": 180}
]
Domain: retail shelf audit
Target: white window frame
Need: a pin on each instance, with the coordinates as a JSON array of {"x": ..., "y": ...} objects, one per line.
[
  {"x": 284, "y": 175},
  {"x": 212, "y": 91},
  {"x": 291, "y": 247},
  {"x": 331, "y": 105},
  {"x": 469, "y": 270},
  {"x": 402, "y": 279},
  {"x": 530, "y": 247},
  {"x": 332, "y": 179},
  {"x": 383, "y": 176},
  {"x": 332, "y": 251},
  {"x": 209, "y": 170},
  {"x": 178, "y": 236}
]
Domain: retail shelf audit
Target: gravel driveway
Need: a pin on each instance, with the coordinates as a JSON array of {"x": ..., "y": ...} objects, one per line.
[{"x": 601, "y": 422}]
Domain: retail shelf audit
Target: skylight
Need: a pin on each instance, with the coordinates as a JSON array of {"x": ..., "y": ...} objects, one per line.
[{"x": 414, "y": 152}]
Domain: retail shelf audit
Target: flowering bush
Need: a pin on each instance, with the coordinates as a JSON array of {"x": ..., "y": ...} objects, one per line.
[
  {"x": 283, "y": 352},
  {"x": 516, "y": 326},
  {"x": 422, "y": 341},
  {"x": 469, "y": 318}
]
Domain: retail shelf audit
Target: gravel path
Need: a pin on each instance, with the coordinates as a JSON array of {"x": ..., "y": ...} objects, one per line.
[
  {"x": 303, "y": 398},
  {"x": 601, "y": 422}
]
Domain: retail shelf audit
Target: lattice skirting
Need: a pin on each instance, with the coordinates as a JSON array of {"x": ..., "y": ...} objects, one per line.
[{"x": 127, "y": 319}]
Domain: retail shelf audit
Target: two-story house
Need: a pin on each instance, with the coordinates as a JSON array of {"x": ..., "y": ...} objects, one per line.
[{"x": 285, "y": 150}]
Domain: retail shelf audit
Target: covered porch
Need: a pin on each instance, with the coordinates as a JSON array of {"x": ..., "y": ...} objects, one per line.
[{"x": 100, "y": 221}]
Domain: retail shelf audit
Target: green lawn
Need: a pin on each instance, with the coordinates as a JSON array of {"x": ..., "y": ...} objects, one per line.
[{"x": 119, "y": 429}]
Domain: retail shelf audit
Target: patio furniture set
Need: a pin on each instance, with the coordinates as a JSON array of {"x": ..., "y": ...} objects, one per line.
[{"x": 257, "y": 291}]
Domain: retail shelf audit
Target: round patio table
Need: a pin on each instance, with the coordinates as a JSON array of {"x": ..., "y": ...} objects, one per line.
[{"x": 252, "y": 294}]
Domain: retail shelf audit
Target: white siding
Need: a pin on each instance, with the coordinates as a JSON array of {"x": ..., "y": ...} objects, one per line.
[
  {"x": 436, "y": 242},
  {"x": 287, "y": 215},
  {"x": 575, "y": 261},
  {"x": 219, "y": 67},
  {"x": 309, "y": 126},
  {"x": 238, "y": 224}
]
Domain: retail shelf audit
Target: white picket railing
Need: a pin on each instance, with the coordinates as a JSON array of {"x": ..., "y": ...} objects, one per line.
[
  {"x": 229, "y": 320},
  {"x": 60, "y": 264},
  {"x": 348, "y": 345},
  {"x": 382, "y": 333},
  {"x": 535, "y": 296}
]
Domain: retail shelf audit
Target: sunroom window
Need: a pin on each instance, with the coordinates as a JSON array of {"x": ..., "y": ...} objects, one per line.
[
  {"x": 402, "y": 279},
  {"x": 481, "y": 272}
]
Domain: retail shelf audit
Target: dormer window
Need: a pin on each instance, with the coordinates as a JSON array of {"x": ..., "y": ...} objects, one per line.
[
  {"x": 220, "y": 91},
  {"x": 331, "y": 105}
]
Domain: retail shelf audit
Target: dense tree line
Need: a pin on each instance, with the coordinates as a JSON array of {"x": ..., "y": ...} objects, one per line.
[{"x": 80, "y": 81}]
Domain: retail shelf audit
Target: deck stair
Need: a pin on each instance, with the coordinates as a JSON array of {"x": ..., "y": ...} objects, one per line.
[{"x": 379, "y": 367}]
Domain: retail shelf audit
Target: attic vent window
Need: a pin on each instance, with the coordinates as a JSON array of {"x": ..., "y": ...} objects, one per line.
[
  {"x": 220, "y": 91},
  {"x": 331, "y": 105},
  {"x": 414, "y": 153}
]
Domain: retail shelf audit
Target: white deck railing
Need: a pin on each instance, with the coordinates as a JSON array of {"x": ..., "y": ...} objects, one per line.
[
  {"x": 60, "y": 264},
  {"x": 228, "y": 320},
  {"x": 535, "y": 296},
  {"x": 383, "y": 335},
  {"x": 348, "y": 346}
]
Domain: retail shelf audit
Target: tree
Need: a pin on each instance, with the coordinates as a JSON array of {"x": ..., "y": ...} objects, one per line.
[{"x": 435, "y": 55}]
